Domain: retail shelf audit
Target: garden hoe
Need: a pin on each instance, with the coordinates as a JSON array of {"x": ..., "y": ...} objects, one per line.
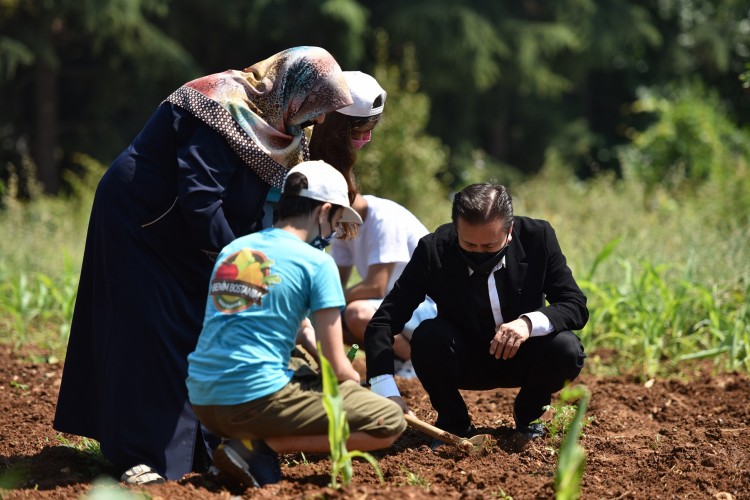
[{"x": 473, "y": 445}]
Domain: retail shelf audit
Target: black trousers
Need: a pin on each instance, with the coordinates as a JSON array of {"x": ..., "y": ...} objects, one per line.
[{"x": 446, "y": 359}]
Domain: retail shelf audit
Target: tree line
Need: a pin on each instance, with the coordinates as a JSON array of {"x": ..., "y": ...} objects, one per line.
[{"x": 476, "y": 88}]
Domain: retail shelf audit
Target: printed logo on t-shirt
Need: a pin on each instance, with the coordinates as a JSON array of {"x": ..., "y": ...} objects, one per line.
[{"x": 241, "y": 280}]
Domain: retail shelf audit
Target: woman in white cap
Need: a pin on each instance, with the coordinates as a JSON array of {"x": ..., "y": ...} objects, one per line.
[
  {"x": 346, "y": 130},
  {"x": 239, "y": 377}
]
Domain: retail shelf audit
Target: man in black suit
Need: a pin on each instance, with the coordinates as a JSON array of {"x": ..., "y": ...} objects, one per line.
[{"x": 507, "y": 302}]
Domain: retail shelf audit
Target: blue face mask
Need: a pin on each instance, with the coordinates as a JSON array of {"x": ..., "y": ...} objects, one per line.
[{"x": 321, "y": 242}]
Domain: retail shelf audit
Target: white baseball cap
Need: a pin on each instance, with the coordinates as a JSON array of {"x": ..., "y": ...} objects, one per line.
[
  {"x": 364, "y": 89},
  {"x": 325, "y": 183}
]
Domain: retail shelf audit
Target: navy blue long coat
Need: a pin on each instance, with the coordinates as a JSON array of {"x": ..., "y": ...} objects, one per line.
[{"x": 176, "y": 195}]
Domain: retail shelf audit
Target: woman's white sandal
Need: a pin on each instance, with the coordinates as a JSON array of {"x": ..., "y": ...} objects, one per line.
[{"x": 140, "y": 475}]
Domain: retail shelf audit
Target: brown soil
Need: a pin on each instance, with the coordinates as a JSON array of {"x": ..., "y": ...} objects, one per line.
[{"x": 672, "y": 439}]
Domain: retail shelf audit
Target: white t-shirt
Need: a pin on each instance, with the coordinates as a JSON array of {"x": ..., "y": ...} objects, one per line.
[{"x": 390, "y": 233}]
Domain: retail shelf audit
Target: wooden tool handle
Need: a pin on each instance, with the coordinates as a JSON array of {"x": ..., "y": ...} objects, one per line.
[{"x": 430, "y": 430}]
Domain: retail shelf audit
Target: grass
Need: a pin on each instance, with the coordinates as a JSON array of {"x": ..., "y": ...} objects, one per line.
[
  {"x": 88, "y": 447},
  {"x": 667, "y": 278}
]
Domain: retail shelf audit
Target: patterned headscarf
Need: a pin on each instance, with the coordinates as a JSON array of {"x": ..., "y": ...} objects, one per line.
[{"x": 261, "y": 111}]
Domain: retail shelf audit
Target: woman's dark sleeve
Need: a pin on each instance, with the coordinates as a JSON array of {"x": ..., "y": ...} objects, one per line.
[{"x": 205, "y": 166}]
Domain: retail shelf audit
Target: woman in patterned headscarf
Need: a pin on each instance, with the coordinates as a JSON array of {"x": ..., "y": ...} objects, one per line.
[{"x": 193, "y": 180}]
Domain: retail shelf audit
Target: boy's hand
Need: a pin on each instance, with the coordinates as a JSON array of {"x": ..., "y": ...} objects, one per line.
[
  {"x": 348, "y": 373},
  {"x": 306, "y": 339}
]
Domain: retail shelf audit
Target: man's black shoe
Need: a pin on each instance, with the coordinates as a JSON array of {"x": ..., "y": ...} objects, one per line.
[{"x": 531, "y": 431}]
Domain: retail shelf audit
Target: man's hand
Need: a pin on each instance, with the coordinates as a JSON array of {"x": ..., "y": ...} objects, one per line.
[
  {"x": 402, "y": 404},
  {"x": 509, "y": 338}
]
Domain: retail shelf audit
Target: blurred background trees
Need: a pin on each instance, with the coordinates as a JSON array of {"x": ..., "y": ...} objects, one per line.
[{"x": 477, "y": 89}]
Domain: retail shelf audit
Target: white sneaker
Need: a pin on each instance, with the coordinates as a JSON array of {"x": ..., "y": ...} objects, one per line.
[{"x": 404, "y": 369}]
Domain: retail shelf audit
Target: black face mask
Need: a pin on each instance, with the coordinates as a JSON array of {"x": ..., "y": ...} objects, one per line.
[{"x": 483, "y": 262}]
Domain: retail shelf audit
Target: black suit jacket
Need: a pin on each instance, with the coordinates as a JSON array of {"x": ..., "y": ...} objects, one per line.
[{"x": 538, "y": 279}]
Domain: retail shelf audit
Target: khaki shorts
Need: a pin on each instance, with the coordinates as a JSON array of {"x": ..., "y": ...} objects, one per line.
[{"x": 297, "y": 410}]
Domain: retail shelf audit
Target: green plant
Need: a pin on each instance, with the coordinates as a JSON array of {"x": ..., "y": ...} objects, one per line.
[
  {"x": 33, "y": 304},
  {"x": 730, "y": 331},
  {"x": 18, "y": 385},
  {"x": 656, "y": 443},
  {"x": 89, "y": 455},
  {"x": 501, "y": 494},
  {"x": 12, "y": 478},
  {"x": 745, "y": 77},
  {"x": 572, "y": 458},
  {"x": 692, "y": 140},
  {"x": 338, "y": 429},
  {"x": 563, "y": 415},
  {"x": 414, "y": 479},
  {"x": 88, "y": 447},
  {"x": 107, "y": 489},
  {"x": 659, "y": 315},
  {"x": 302, "y": 460}
]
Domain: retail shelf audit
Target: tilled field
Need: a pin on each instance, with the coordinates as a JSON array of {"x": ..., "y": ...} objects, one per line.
[{"x": 669, "y": 439}]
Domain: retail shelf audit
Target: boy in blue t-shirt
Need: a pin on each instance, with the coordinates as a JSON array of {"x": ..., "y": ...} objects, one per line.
[{"x": 262, "y": 287}]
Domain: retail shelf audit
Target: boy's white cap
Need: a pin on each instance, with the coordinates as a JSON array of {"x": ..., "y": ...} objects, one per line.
[
  {"x": 325, "y": 183},
  {"x": 364, "y": 89}
]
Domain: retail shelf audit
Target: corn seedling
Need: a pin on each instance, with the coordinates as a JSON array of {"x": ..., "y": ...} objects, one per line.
[
  {"x": 656, "y": 443},
  {"x": 338, "y": 429},
  {"x": 729, "y": 329},
  {"x": 31, "y": 304},
  {"x": 414, "y": 479},
  {"x": 572, "y": 458},
  {"x": 302, "y": 460},
  {"x": 563, "y": 416},
  {"x": 501, "y": 494},
  {"x": 18, "y": 385},
  {"x": 660, "y": 315}
]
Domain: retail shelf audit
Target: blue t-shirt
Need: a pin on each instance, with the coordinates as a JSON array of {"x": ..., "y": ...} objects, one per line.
[{"x": 262, "y": 286}]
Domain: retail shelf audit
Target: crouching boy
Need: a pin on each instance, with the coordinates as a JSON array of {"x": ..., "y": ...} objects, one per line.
[{"x": 263, "y": 285}]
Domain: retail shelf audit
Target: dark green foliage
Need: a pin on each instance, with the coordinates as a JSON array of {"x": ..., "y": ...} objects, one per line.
[{"x": 498, "y": 87}]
